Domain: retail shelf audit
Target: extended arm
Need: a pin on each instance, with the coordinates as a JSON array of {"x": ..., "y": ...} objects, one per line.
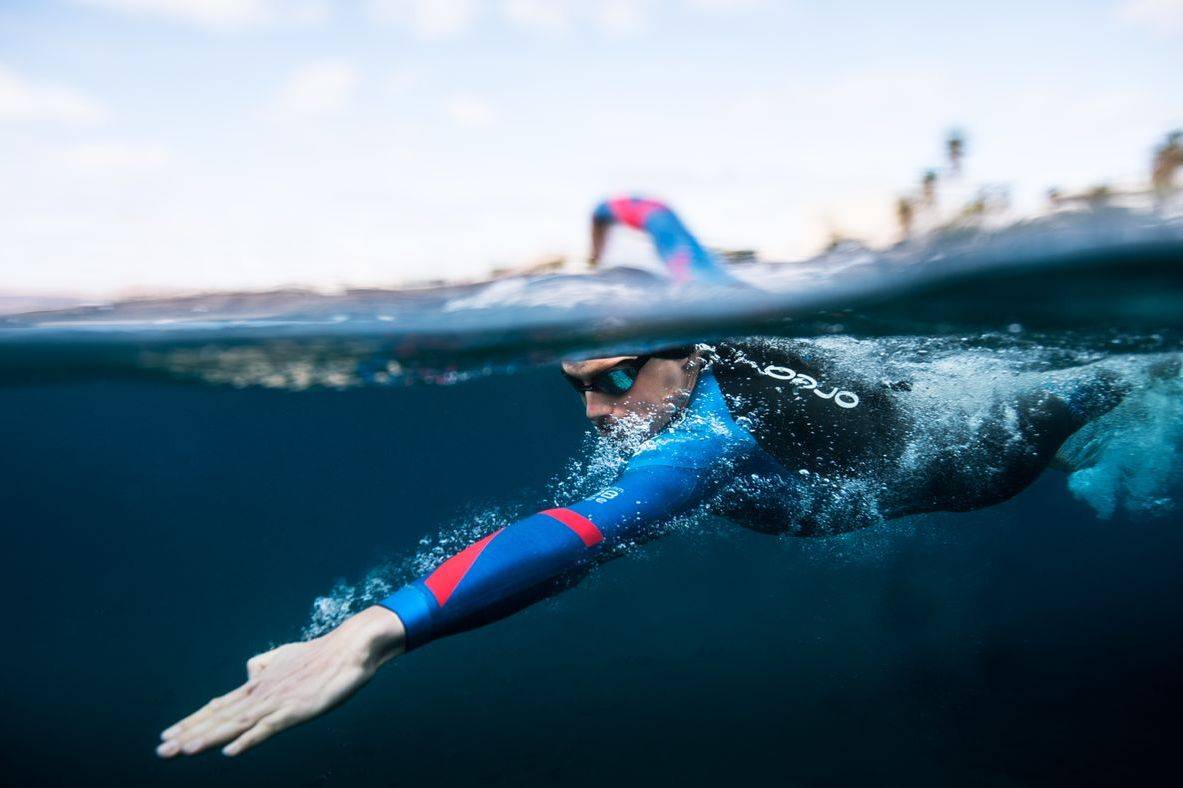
[
  {"x": 531, "y": 559},
  {"x": 503, "y": 572}
]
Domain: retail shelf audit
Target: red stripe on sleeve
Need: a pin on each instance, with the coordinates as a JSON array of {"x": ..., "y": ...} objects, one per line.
[
  {"x": 584, "y": 528},
  {"x": 443, "y": 580}
]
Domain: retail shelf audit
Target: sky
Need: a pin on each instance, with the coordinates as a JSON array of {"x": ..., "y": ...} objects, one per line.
[{"x": 164, "y": 145}]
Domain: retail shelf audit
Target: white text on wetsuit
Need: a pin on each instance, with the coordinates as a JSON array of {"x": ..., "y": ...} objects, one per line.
[
  {"x": 843, "y": 398},
  {"x": 607, "y": 495}
]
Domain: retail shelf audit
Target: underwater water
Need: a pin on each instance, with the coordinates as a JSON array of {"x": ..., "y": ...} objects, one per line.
[{"x": 188, "y": 483}]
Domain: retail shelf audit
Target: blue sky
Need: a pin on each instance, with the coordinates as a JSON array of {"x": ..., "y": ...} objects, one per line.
[{"x": 160, "y": 144}]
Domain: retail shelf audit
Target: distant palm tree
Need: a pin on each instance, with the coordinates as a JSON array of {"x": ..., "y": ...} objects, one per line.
[
  {"x": 904, "y": 213},
  {"x": 928, "y": 187},
  {"x": 955, "y": 150},
  {"x": 1168, "y": 159}
]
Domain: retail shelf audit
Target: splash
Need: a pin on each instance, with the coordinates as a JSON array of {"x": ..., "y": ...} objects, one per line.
[
  {"x": 346, "y": 599},
  {"x": 1131, "y": 459}
]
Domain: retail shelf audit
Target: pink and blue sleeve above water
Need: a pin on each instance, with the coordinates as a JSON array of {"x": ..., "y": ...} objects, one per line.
[{"x": 685, "y": 259}]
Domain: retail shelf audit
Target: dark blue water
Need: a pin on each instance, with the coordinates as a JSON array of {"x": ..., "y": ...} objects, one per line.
[
  {"x": 158, "y": 534},
  {"x": 185, "y": 482}
]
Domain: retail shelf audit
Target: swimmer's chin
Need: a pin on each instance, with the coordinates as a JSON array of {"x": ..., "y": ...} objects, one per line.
[
  {"x": 609, "y": 431},
  {"x": 625, "y": 432},
  {"x": 614, "y": 429}
]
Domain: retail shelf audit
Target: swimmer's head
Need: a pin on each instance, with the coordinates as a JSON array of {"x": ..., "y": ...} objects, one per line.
[{"x": 645, "y": 390}]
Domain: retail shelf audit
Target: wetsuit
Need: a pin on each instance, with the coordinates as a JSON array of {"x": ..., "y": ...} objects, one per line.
[
  {"x": 782, "y": 437},
  {"x": 685, "y": 259}
]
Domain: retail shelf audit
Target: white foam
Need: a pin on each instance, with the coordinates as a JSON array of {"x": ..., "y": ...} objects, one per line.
[{"x": 1131, "y": 458}]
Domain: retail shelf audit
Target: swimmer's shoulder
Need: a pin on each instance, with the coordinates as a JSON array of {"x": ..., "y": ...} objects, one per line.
[{"x": 703, "y": 435}]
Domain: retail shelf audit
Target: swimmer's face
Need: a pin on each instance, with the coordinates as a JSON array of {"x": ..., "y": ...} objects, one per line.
[{"x": 661, "y": 389}]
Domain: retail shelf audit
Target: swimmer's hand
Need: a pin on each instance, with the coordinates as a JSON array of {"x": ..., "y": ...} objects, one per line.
[{"x": 289, "y": 685}]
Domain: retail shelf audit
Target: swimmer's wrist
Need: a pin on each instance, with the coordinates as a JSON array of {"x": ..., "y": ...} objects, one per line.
[{"x": 375, "y": 635}]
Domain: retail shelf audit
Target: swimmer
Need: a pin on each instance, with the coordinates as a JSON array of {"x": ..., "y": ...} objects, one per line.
[
  {"x": 780, "y": 436},
  {"x": 685, "y": 259}
]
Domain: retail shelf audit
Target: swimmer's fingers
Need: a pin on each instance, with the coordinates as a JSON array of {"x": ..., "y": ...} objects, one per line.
[
  {"x": 305, "y": 680},
  {"x": 191, "y": 735},
  {"x": 229, "y": 725},
  {"x": 202, "y": 715},
  {"x": 289, "y": 685},
  {"x": 251, "y": 702},
  {"x": 261, "y": 731},
  {"x": 201, "y": 718},
  {"x": 329, "y": 684}
]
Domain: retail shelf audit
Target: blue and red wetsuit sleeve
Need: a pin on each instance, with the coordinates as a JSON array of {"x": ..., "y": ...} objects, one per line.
[
  {"x": 533, "y": 558},
  {"x": 684, "y": 257},
  {"x": 522, "y": 563}
]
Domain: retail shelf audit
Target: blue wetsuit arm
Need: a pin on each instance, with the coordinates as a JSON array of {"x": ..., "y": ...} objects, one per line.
[{"x": 533, "y": 558}]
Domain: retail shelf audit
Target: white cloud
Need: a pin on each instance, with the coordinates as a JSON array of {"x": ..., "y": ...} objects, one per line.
[
  {"x": 223, "y": 14},
  {"x": 617, "y": 18},
  {"x": 428, "y": 19},
  {"x": 725, "y": 5},
  {"x": 470, "y": 111},
  {"x": 320, "y": 88},
  {"x": 401, "y": 79},
  {"x": 307, "y": 12},
  {"x": 623, "y": 17},
  {"x": 1162, "y": 14},
  {"x": 541, "y": 16},
  {"x": 22, "y": 99},
  {"x": 108, "y": 158}
]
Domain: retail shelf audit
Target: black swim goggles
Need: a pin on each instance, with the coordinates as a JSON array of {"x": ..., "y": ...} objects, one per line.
[{"x": 620, "y": 379}]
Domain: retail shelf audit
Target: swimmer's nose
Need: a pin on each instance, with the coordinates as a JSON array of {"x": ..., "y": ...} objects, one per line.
[{"x": 598, "y": 406}]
